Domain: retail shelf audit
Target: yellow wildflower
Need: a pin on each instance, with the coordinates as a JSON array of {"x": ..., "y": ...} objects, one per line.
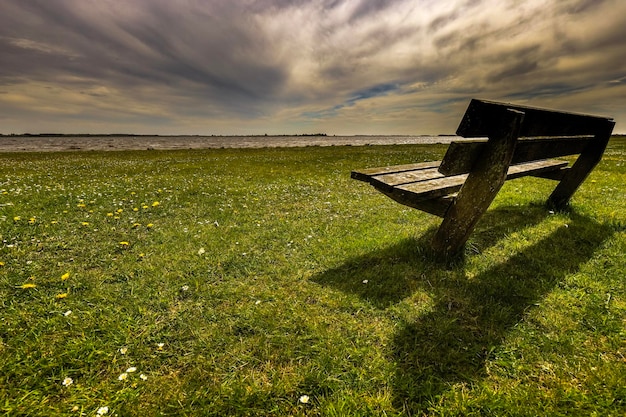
[
  {"x": 62, "y": 295},
  {"x": 149, "y": 225},
  {"x": 81, "y": 205},
  {"x": 85, "y": 223},
  {"x": 124, "y": 244},
  {"x": 109, "y": 214},
  {"x": 17, "y": 218},
  {"x": 156, "y": 204},
  {"x": 65, "y": 276},
  {"x": 28, "y": 285},
  {"x": 2, "y": 263}
]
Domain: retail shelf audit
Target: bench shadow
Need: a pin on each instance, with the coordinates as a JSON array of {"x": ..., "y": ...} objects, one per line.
[
  {"x": 394, "y": 273},
  {"x": 469, "y": 316}
]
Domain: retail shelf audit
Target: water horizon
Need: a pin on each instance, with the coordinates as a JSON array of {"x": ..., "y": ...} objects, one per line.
[{"x": 59, "y": 143}]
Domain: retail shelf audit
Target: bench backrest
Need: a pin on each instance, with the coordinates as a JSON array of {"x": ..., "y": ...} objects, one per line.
[{"x": 543, "y": 134}]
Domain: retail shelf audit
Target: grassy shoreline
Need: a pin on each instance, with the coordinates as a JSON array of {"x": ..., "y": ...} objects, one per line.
[{"x": 266, "y": 282}]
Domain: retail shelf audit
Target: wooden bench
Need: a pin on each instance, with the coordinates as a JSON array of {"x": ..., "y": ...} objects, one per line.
[{"x": 517, "y": 141}]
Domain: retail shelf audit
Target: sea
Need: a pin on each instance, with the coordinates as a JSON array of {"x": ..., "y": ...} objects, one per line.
[{"x": 45, "y": 143}]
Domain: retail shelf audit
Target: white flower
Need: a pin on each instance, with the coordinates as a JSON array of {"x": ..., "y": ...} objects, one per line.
[
  {"x": 143, "y": 376},
  {"x": 365, "y": 281},
  {"x": 201, "y": 251},
  {"x": 304, "y": 399},
  {"x": 160, "y": 346},
  {"x": 67, "y": 381},
  {"x": 131, "y": 369},
  {"x": 184, "y": 287},
  {"x": 67, "y": 313},
  {"x": 102, "y": 410},
  {"x": 123, "y": 350},
  {"x": 123, "y": 376}
]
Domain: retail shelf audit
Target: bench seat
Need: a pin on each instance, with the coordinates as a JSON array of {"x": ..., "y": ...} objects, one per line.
[
  {"x": 416, "y": 183},
  {"x": 424, "y": 181}
]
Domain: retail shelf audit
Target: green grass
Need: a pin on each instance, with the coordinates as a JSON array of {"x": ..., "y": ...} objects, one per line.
[{"x": 250, "y": 278}]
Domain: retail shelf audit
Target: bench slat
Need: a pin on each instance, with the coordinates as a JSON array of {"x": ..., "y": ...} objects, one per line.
[
  {"x": 482, "y": 115},
  {"x": 439, "y": 187},
  {"x": 366, "y": 174},
  {"x": 435, "y": 188},
  {"x": 388, "y": 181},
  {"x": 460, "y": 156}
]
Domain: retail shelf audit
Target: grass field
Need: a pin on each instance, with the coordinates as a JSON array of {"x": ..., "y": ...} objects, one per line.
[{"x": 266, "y": 282}]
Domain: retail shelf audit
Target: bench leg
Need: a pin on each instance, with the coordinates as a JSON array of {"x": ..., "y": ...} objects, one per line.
[
  {"x": 585, "y": 163},
  {"x": 480, "y": 188}
]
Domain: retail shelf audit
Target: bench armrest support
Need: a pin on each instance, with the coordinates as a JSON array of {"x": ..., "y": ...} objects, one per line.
[
  {"x": 482, "y": 184},
  {"x": 583, "y": 166}
]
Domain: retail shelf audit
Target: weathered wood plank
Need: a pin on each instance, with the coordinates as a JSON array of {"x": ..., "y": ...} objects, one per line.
[
  {"x": 543, "y": 148},
  {"x": 460, "y": 156},
  {"x": 388, "y": 181},
  {"x": 535, "y": 168},
  {"x": 438, "y": 187},
  {"x": 366, "y": 174},
  {"x": 482, "y": 115},
  {"x": 588, "y": 159},
  {"x": 426, "y": 190},
  {"x": 481, "y": 186}
]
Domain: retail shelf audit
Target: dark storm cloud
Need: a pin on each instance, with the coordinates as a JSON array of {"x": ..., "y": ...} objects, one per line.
[{"x": 201, "y": 48}]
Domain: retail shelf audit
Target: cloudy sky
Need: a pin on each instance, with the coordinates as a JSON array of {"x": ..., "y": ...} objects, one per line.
[{"x": 301, "y": 66}]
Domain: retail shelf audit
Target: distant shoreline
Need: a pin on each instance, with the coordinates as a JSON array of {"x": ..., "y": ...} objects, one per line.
[
  {"x": 123, "y": 142},
  {"x": 120, "y": 142}
]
